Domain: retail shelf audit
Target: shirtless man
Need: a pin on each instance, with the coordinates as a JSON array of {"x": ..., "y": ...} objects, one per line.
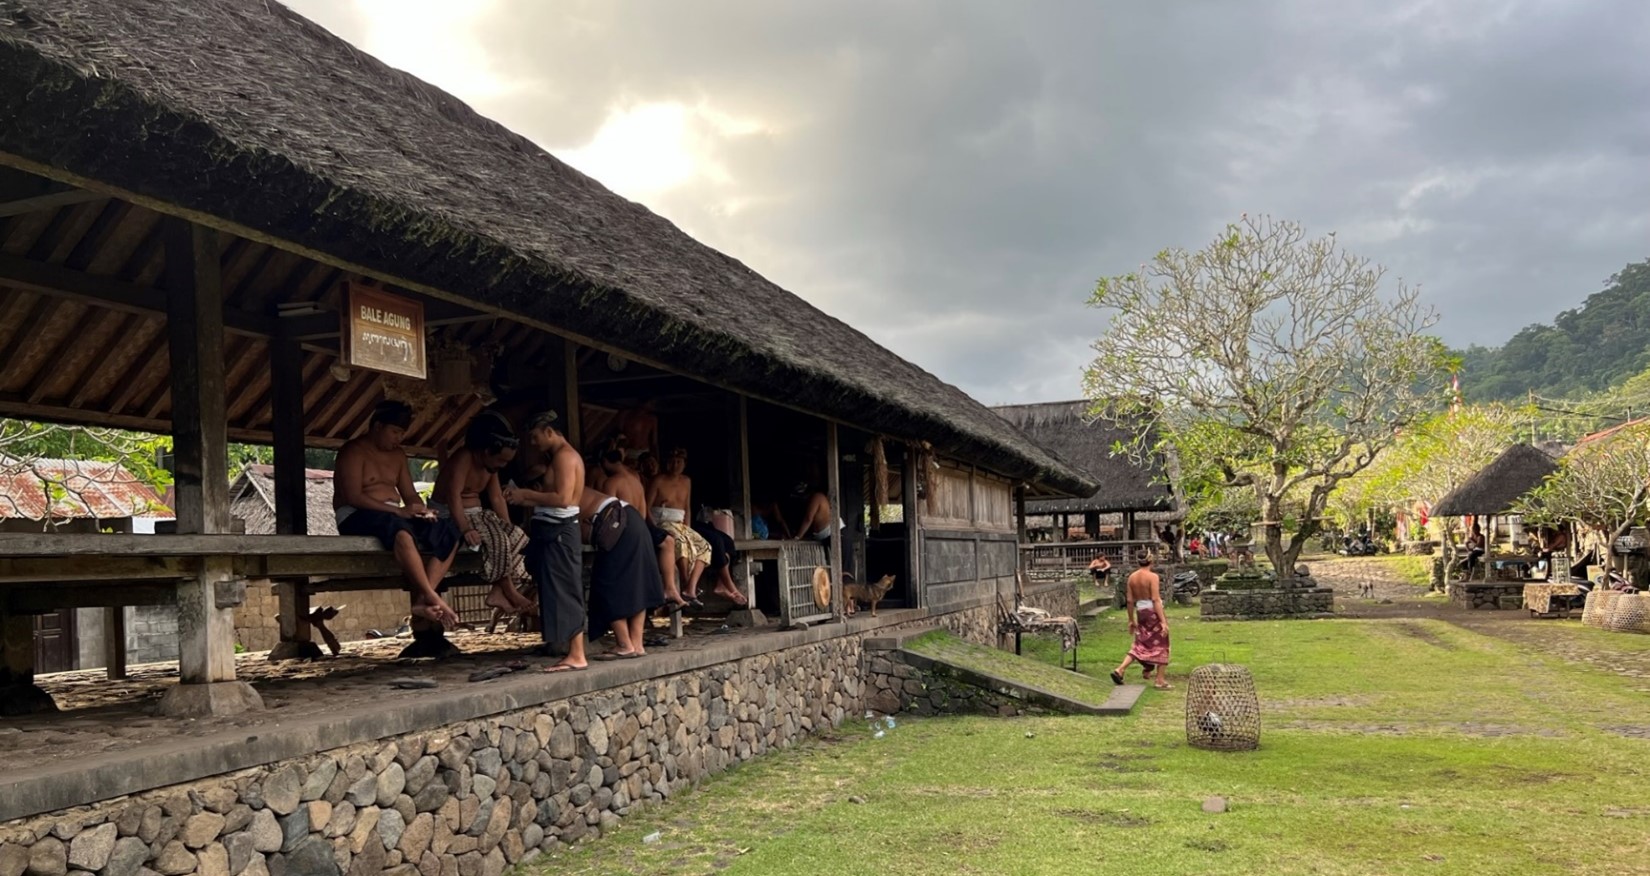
[
  {"x": 619, "y": 481},
  {"x": 624, "y": 578},
  {"x": 818, "y": 524},
  {"x": 553, "y": 488},
  {"x": 373, "y": 494},
  {"x": 669, "y": 501},
  {"x": 468, "y": 492},
  {"x": 1147, "y": 622}
]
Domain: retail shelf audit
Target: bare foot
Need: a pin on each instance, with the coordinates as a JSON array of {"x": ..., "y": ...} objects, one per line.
[
  {"x": 732, "y": 596},
  {"x": 564, "y": 666},
  {"x": 499, "y": 599}
]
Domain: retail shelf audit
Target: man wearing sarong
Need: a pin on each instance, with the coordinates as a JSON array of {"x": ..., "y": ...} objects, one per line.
[
  {"x": 373, "y": 494},
  {"x": 1147, "y": 622},
  {"x": 553, "y": 553},
  {"x": 469, "y": 484},
  {"x": 669, "y": 501},
  {"x": 620, "y": 482},
  {"x": 624, "y": 581}
]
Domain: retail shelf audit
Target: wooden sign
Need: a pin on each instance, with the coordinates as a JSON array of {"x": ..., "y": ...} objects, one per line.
[{"x": 384, "y": 332}]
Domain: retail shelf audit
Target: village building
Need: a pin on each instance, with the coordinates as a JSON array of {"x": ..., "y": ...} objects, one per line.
[
  {"x": 1133, "y": 503},
  {"x": 218, "y": 221}
]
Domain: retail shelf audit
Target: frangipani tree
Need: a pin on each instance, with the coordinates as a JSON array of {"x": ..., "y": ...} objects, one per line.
[
  {"x": 1602, "y": 485},
  {"x": 1278, "y": 354}
]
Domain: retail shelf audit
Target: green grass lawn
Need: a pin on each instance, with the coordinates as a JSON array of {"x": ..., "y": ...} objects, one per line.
[
  {"x": 1390, "y": 747},
  {"x": 1042, "y": 672}
]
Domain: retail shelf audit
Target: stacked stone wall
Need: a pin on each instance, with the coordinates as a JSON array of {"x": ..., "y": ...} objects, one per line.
[
  {"x": 465, "y": 800},
  {"x": 257, "y": 627},
  {"x": 1490, "y": 595},
  {"x": 1265, "y": 604}
]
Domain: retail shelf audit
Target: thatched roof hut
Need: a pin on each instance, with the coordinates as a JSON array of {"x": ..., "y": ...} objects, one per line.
[
  {"x": 252, "y": 499},
  {"x": 1497, "y": 486},
  {"x": 253, "y": 120},
  {"x": 1125, "y": 486}
]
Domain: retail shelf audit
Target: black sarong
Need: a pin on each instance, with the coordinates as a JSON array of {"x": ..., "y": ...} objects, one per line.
[
  {"x": 553, "y": 560},
  {"x": 626, "y": 579}
]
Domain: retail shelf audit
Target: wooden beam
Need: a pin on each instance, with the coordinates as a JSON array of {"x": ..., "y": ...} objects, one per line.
[
  {"x": 60, "y": 282},
  {"x": 833, "y": 492},
  {"x": 286, "y": 378},
  {"x": 39, "y": 600},
  {"x": 51, "y": 201},
  {"x": 107, "y": 547}
]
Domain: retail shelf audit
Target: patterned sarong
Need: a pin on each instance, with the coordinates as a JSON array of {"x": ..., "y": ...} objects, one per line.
[
  {"x": 690, "y": 545},
  {"x": 1151, "y": 641},
  {"x": 501, "y": 546}
]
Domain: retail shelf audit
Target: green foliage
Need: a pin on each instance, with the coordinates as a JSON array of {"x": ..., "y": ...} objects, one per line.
[
  {"x": 1585, "y": 350},
  {"x": 1603, "y": 485},
  {"x": 1270, "y": 362},
  {"x": 1429, "y": 460}
]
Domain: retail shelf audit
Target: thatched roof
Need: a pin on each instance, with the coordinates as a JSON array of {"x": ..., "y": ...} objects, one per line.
[
  {"x": 1496, "y": 486},
  {"x": 252, "y": 119},
  {"x": 252, "y": 499},
  {"x": 1064, "y": 428}
]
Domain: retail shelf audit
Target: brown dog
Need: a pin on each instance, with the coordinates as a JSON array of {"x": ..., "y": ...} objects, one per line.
[{"x": 870, "y": 594}]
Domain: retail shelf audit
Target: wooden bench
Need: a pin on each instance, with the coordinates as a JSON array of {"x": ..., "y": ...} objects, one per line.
[{"x": 204, "y": 575}]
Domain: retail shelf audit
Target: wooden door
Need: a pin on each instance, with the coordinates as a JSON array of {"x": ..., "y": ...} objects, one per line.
[{"x": 54, "y": 642}]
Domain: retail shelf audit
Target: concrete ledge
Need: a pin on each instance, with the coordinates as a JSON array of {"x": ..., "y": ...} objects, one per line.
[
  {"x": 1120, "y": 702},
  {"x": 176, "y": 761}
]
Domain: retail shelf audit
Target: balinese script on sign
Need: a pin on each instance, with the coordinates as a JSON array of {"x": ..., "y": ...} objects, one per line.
[{"x": 386, "y": 332}]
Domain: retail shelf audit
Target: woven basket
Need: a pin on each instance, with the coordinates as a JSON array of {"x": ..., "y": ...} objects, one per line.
[
  {"x": 1605, "y": 604},
  {"x": 1222, "y": 709},
  {"x": 1629, "y": 613}
]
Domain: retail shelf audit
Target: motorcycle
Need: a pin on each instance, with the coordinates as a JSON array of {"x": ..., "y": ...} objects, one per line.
[
  {"x": 1362, "y": 546},
  {"x": 1185, "y": 584}
]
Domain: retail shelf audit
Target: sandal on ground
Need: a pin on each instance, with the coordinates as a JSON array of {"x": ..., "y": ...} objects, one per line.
[
  {"x": 563, "y": 667},
  {"x": 1164, "y": 686},
  {"x": 1116, "y": 677}
]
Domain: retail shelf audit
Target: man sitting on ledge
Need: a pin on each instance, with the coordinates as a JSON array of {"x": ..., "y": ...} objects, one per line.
[{"x": 373, "y": 494}]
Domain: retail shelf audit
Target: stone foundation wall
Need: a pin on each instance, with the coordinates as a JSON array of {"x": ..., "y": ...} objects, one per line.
[
  {"x": 893, "y": 686},
  {"x": 463, "y": 800},
  {"x": 1491, "y": 595},
  {"x": 1266, "y": 604}
]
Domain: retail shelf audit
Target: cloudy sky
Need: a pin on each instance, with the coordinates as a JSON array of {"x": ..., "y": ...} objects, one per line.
[{"x": 951, "y": 177}]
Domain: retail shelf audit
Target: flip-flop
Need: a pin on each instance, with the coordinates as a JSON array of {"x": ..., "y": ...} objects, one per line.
[
  {"x": 615, "y": 655},
  {"x": 1164, "y": 686},
  {"x": 564, "y": 667},
  {"x": 1116, "y": 677}
]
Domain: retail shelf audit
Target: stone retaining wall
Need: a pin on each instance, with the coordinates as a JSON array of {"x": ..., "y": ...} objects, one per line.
[
  {"x": 1267, "y": 604},
  {"x": 471, "y": 799},
  {"x": 1490, "y": 595}
]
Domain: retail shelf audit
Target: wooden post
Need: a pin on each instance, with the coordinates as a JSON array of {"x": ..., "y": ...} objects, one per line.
[
  {"x": 744, "y": 576},
  {"x": 570, "y": 416},
  {"x": 206, "y": 622},
  {"x": 114, "y": 642},
  {"x": 912, "y": 512},
  {"x": 833, "y": 492},
  {"x": 286, "y": 377}
]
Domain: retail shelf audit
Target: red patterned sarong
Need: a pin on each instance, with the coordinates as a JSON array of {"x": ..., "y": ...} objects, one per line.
[{"x": 1151, "y": 641}]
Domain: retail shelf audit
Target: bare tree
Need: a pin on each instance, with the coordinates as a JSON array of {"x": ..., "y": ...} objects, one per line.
[{"x": 1278, "y": 354}]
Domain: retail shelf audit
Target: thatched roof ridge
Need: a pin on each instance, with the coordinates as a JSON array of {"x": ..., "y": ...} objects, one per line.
[
  {"x": 259, "y": 121},
  {"x": 1065, "y": 429},
  {"x": 1497, "y": 486}
]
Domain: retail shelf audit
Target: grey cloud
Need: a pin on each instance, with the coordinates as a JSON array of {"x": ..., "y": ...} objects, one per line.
[{"x": 951, "y": 177}]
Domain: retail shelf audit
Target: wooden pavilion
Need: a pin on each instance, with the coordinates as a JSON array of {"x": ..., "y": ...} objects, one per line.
[
  {"x": 1129, "y": 494},
  {"x": 221, "y": 222},
  {"x": 1494, "y": 489}
]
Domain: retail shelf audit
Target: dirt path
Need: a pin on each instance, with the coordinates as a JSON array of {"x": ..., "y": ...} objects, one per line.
[{"x": 1620, "y": 654}]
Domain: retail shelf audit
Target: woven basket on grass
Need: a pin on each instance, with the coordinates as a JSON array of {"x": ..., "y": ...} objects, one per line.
[
  {"x": 1628, "y": 613},
  {"x": 1597, "y": 607},
  {"x": 1222, "y": 709}
]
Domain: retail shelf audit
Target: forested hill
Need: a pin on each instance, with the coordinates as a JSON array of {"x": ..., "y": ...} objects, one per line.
[{"x": 1591, "y": 348}]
